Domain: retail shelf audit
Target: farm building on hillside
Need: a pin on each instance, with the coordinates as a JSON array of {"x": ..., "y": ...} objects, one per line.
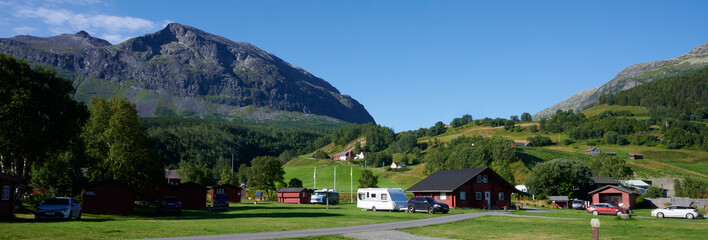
[
  {"x": 172, "y": 177},
  {"x": 108, "y": 198},
  {"x": 592, "y": 151},
  {"x": 343, "y": 156},
  {"x": 191, "y": 194},
  {"x": 634, "y": 156},
  {"x": 559, "y": 201},
  {"x": 361, "y": 155},
  {"x": 472, "y": 187},
  {"x": 618, "y": 195},
  {"x": 7, "y": 200},
  {"x": 232, "y": 192},
  {"x": 521, "y": 144},
  {"x": 293, "y": 195},
  {"x": 398, "y": 165}
]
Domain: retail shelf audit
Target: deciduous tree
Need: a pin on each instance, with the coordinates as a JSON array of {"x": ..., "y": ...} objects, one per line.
[
  {"x": 368, "y": 179},
  {"x": 558, "y": 177},
  {"x": 265, "y": 173}
]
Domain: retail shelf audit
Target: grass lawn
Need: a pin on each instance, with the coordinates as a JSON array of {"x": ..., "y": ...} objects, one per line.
[
  {"x": 576, "y": 228},
  {"x": 240, "y": 218},
  {"x": 303, "y": 169}
]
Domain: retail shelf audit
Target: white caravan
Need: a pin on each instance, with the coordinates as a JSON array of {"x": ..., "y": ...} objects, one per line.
[{"x": 392, "y": 199}]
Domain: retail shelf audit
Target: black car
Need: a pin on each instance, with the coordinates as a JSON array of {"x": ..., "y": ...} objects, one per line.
[
  {"x": 221, "y": 201},
  {"x": 426, "y": 204},
  {"x": 169, "y": 204}
]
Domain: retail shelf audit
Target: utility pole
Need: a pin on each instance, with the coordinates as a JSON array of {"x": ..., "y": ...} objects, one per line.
[{"x": 232, "y": 162}]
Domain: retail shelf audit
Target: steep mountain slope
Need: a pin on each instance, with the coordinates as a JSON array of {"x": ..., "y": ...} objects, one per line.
[
  {"x": 181, "y": 70},
  {"x": 633, "y": 76}
]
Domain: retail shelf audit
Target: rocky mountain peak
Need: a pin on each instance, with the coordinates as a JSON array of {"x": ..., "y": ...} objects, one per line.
[{"x": 700, "y": 50}]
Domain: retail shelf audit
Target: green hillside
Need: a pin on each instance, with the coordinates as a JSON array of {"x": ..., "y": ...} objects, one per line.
[
  {"x": 303, "y": 169},
  {"x": 597, "y": 110}
]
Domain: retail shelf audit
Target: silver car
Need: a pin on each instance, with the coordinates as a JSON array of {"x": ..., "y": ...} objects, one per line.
[
  {"x": 59, "y": 208},
  {"x": 676, "y": 211}
]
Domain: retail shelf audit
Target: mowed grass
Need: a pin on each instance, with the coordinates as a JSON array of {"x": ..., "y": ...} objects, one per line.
[
  {"x": 304, "y": 169},
  {"x": 240, "y": 218},
  {"x": 596, "y": 110},
  {"x": 575, "y": 226}
]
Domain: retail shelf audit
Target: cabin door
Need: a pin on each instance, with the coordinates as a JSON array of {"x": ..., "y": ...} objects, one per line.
[{"x": 486, "y": 197}]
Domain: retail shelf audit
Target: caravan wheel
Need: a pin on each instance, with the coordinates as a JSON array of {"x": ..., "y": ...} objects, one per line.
[{"x": 373, "y": 209}]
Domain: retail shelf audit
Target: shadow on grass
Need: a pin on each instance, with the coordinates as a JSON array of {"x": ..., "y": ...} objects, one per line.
[{"x": 25, "y": 220}]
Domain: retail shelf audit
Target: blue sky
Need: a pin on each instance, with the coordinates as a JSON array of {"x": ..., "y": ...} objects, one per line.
[{"x": 413, "y": 63}]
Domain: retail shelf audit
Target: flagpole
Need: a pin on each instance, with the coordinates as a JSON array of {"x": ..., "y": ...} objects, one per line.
[
  {"x": 351, "y": 184},
  {"x": 315, "y": 177}
]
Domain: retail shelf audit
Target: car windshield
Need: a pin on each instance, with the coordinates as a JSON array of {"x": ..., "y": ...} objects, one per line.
[
  {"x": 57, "y": 201},
  {"x": 430, "y": 199}
]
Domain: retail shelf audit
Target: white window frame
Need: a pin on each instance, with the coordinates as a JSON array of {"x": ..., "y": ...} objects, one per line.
[
  {"x": 463, "y": 196},
  {"x": 5, "y": 192},
  {"x": 384, "y": 196},
  {"x": 500, "y": 195},
  {"x": 443, "y": 196},
  {"x": 478, "y": 195}
]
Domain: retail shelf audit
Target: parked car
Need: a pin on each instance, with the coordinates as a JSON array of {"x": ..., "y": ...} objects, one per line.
[
  {"x": 606, "y": 208},
  {"x": 578, "y": 204},
  {"x": 59, "y": 208},
  {"x": 221, "y": 201},
  {"x": 426, "y": 204},
  {"x": 319, "y": 196},
  {"x": 676, "y": 211},
  {"x": 169, "y": 204}
]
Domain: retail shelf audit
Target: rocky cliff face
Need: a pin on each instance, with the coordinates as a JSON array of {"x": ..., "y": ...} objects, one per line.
[
  {"x": 191, "y": 65},
  {"x": 633, "y": 76}
]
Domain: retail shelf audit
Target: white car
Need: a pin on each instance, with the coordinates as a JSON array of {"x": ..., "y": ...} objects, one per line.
[
  {"x": 59, "y": 207},
  {"x": 676, "y": 211}
]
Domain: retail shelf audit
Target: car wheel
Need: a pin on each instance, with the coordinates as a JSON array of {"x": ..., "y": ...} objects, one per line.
[
  {"x": 431, "y": 210},
  {"x": 595, "y": 213},
  {"x": 373, "y": 209},
  {"x": 411, "y": 209},
  {"x": 689, "y": 216},
  {"x": 79, "y": 217},
  {"x": 660, "y": 215},
  {"x": 618, "y": 213}
]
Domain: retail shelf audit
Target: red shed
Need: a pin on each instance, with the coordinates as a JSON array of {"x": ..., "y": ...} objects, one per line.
[
  {"x": 192, "y": 195},
  {"x": 232, "y": 192},
  {"x": 108, "y": 198},
  {"x": 293, "y": 195},
  {"x": 472, "y": 187},
  {"x": 7, "y": 201},
  {"x": 153, "y": 193},
  {"x": 618, "y": 195}
]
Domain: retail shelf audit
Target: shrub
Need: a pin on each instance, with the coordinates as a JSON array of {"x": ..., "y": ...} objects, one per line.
[{"x": 653, "y": 192}]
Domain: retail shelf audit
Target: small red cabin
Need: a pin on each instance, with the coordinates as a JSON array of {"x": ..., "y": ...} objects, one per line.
[
  {"x": 7, "y": 199},
  {"x": 617, "y": 195},
  {"x": 472, "y": 187},
  {"x": 108, "y": 198},
  {"x": 191, "y": 194},
  {"x": 232, "y": 192},
  {"x": 293, "y": 195}
]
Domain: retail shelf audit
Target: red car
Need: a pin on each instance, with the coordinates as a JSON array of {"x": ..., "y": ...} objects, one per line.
[{"x": 606, "y": 208}]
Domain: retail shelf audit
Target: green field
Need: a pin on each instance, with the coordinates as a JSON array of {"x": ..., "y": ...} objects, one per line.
[
  {"x": 240, "y": 218},
  {"x": 576, "y": 226},
  {"x": 596, "y": 110}
]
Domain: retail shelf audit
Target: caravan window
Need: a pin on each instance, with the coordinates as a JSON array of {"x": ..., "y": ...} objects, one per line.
[
  {"x": 384, "y": 196},
  {"x": 362, "y": 196},
  {"x": 373, "y": 195}
]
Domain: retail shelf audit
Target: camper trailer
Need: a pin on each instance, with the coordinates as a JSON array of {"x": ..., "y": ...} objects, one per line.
[
  {"x": 324, "y": 195},
  {"x": 392, "y": 199}
]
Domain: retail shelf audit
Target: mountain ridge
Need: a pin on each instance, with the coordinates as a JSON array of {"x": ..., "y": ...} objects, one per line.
[
  {"x": 182, "y": 66},
  {"x": 633, "y": 76}
]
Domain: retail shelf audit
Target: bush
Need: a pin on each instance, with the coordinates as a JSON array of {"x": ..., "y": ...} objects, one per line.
[
  {"x": 567, "y": 141},
  {"x": 653, "y": 192},
  {"x": 320, "y": 155},
  {"x": 539, "y": 140}
]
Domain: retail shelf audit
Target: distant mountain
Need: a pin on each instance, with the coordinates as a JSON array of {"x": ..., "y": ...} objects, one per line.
[
  {"x": 184, "y": 71},
  {"x": 633, "y": 76}
]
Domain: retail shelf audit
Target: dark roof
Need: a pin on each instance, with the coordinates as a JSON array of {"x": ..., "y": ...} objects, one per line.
[
  {"x": 446, "y": 180},
  {"x": 615, "y": 187},
  {"x": 558, "y": 198},
  {"x": 604, "y": 180},
  {"x": 591, "y": 149},
  {"x": 291, "y": 189},
  {"x": 9, "y": 178},
  {"x": 171, "y": 174}
]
